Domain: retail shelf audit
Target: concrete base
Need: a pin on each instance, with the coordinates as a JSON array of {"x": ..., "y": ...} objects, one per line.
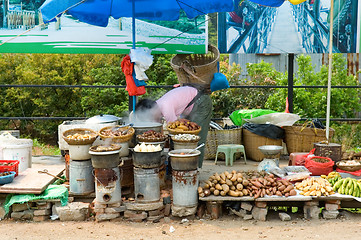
[{"x": 178, "y": 211}]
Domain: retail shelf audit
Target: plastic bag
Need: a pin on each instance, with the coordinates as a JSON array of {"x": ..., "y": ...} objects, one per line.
[
  {"x": 239, "y": 117},
  {"x": 219, "y": 82},
  {"x": 318, "y": 168},
  {"x": 265, "y": 130},
  {"x": 143, "y": 60},
  {"x": 278, "y": 119}
]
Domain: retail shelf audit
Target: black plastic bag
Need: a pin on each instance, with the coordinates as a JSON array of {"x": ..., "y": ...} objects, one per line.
[{"x": 265, "y": 130}]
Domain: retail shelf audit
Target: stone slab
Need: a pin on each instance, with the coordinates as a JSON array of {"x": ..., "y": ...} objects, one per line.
[{"x": 143, "y": 206}]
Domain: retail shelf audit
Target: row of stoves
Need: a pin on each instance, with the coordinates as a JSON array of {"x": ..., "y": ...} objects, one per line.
[{"x": 106, "y": 182}]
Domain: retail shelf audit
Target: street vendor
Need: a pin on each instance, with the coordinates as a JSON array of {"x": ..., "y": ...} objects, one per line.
[{"x": 190, "y": 101}]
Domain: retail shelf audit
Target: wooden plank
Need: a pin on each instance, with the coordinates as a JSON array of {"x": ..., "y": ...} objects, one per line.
[
  {"x": 32, "y": 182},
  {"x": 264, "y": 199}
]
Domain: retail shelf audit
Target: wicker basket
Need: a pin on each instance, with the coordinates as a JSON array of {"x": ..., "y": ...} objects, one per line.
[
  {"x": 81, "y": 131},
  {"x": 196, "y": 68},
  {"x": 219, "y": 137},
  {"x": 302, "y": 139},
  {"x": 174, "y": 131},
  {"x": 118, "y": 139},
  {"x": 348, "y": 168},
  {"x": 252, "y": 141}
]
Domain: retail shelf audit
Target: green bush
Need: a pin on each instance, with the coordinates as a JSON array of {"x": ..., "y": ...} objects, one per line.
[{"x": 259, "y": 74}]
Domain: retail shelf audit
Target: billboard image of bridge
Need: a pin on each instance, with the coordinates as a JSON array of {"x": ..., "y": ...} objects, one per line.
[{"x": 302, "y": 28}]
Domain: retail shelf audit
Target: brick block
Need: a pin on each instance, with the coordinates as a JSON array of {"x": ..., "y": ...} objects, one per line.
[
  {"x": 100, "y": 205},
  {"x": 311, "y": 212},
  {"x": 154, "y": 212},
  {"x": 214, "y": 209},
  {"x": 334, "y": 201},
  {"x": 247, "y": 217},
  {"x": 330, "y": 214},
  {"x": 134, "y": 216},
  {"x": 42, "y": 212},
  {"x": 284, "y": 216},
  {"x": 99, "y": 210},
  {"x": 332, "y": 207},
  {"x": 76, "y": 211},
  {"x": 259, "y": 213},
  {"x": 24, "y": 215},
  {"x": 19, "y": 207},
  {"x": 40, "y": 218},
  {"x": 155, "y": 219},
  {"x": 2, "y": 213},
  {"x": 246, "y": 206},
  {"x": 115, "y": 209},
  {"x": 260, "y": 204},
  {"x": 312, "y": 203},
  {"x": 167, "y": 209},
  {"x": 106, "y": 216},
  {"x": 114, "y": 205},
  {"x": 44, "y": 205}
]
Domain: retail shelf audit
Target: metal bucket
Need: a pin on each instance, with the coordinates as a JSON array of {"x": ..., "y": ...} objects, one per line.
[
  {"x": 107, "y": 185},
  {"x": 146, "y": 185},
  {"x": 184, "y": 186},
  {"x": 147, "y": 159},
  {"x": 184, "y": 162},
  {"x": 109, "y": 159},
  {"x": 81, "y": 179}
]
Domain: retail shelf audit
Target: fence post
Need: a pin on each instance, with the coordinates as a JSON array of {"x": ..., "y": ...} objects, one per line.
[{"x": 291, "y": 58}]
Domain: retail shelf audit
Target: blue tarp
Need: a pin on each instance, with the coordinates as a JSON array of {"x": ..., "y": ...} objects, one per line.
[{"x": 97, "y": 12}]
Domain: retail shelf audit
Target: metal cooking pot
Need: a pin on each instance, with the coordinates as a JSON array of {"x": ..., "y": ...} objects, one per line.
[
  {"x": 141, "y": 127},
  {"x": 104, "y": 118},
  {"x": 147, "y": 159},
  {"x": 184, "y": 162}
]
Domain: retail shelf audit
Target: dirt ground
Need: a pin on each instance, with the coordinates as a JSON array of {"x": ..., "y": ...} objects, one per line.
[{"x": 348, "y": 226}]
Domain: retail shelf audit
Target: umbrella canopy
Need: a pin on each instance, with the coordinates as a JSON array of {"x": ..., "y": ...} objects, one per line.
[
  {"x": 97, "y": 12},
  {"x": 276, "y": 3}
]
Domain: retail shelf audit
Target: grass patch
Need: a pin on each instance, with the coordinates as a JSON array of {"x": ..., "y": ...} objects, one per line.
[{"x": 44, "y": 149}]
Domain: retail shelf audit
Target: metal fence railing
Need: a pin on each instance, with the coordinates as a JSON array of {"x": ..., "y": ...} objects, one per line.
[{"x": 290, "y": 88}]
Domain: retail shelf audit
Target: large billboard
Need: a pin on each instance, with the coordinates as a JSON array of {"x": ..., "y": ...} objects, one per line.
[
  {"x": 22, "y": 31},
  {"x": 302, "y": 28}
]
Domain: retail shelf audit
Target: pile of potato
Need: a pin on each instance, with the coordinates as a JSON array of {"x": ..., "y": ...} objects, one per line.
[
  {"x": 238, "y": 184},
  {"x": 232, "y": 184}
]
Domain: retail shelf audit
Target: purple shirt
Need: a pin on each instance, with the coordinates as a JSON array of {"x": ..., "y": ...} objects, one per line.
[{"x": 174, "y": 103}]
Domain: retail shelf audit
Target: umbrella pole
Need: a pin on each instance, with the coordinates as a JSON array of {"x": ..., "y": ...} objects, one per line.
[
  {"x": 329, "y": 75},
  {"x": 133, "y": 43}
]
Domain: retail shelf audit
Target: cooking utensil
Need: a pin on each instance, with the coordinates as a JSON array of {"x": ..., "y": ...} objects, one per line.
[
  {"x": 114, "y": 129},
  {"x": 191, "y": 151},
  {"x": 126, "y": 130},
  {"x": 46, "y": 172}
]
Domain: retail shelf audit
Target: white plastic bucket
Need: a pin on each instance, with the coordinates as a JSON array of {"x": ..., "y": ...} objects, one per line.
[
  {"x": 79, "y": 152},
  {"x": 20, "y": 149}
]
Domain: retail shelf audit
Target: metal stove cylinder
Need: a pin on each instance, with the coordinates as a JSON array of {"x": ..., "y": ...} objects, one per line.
[
  {"x": 81, "y": 179},
  {"x": 107, "y": 185},
  {"x": 184, "y": 186},
  {"x": 146, "y": 184}
]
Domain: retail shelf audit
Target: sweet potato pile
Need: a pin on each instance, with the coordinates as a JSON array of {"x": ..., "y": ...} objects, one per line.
[{"x": 239, "y": 184}]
